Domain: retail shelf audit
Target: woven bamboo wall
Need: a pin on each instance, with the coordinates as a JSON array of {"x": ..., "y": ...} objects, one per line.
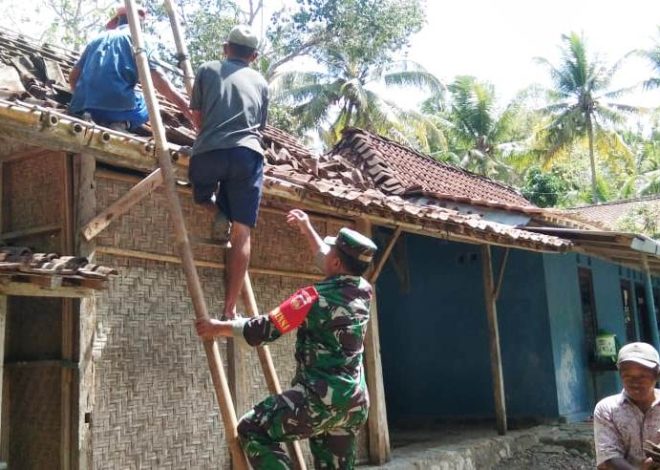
[
  {"x": 33, "y": 196},
  {"x": 155, "y": 405}
]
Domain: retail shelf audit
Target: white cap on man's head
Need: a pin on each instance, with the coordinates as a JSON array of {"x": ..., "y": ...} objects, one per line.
[
  {"x": 641, "y": 353},
  {"x": 243, "y": 35}
]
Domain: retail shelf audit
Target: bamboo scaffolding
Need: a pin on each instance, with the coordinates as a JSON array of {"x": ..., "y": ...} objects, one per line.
[{"x": 185, "y": 250}]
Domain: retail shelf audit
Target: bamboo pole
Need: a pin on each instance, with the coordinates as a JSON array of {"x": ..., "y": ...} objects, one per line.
[
  {"x": 211, "y": 347},
  {"x": 268, "y": 368},
  {"x": 246, "y": 292},
  {"x": 181, "y": 48},
  {"x": 494, "y": 340}
]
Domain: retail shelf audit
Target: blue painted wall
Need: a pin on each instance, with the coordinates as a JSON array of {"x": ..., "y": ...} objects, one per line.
[
  {"x": 570, "y": 353},
  {"x": 434, "y": 340},
  {"x": 525, "y": 339}
]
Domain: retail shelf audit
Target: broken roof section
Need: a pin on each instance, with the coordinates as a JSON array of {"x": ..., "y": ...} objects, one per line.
[
  {"x": 402, "y": 171},
  {"x": 33, "y": 102}
]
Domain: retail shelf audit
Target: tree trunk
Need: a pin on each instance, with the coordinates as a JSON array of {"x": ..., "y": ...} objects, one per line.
[{"x": 592, "y": 160}]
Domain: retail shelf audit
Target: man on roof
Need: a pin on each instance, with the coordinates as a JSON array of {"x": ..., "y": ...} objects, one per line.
[
  {"x": 230, "y": 105},
  {"x": 328, "y": 401},
  {"x": 103, "y": 80}
]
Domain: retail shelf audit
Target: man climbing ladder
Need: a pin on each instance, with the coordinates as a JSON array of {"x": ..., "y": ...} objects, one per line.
[
  {"x": 166, "y": 173},
  {"x": 230, "y": 105}
]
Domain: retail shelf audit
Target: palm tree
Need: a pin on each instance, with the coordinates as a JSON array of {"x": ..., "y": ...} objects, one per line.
[
  {"x": 653, "y": 56},
  {"x": 477, "y": 131},
  {"x": 581, "y": 105},
  {"x": 345, "y": 95},
  {"x": 645, "y": 179}
]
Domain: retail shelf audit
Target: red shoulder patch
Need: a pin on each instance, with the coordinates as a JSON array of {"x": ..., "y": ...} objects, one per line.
[{"x": 293, "y": 311}]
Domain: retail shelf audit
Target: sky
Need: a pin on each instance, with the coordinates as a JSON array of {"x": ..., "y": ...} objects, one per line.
[{"x": 497, "y": 40}]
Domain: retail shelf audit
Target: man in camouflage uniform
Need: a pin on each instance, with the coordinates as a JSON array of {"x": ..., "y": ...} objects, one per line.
[{"x": 328, "y": 401}]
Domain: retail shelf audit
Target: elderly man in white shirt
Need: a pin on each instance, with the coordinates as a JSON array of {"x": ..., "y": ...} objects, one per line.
[{"x": 624, "y": 421}]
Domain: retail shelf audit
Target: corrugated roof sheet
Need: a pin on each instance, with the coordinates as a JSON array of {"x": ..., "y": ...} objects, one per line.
[{"x": 353, "y": 182}]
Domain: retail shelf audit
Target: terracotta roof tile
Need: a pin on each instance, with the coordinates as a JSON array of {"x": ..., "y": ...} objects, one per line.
[
  {"x": 612, "y": 214},
  {"x": 365, "y": 174},
  {"x": 416, "y": 173},
  {"x": 21, "y": 265}
]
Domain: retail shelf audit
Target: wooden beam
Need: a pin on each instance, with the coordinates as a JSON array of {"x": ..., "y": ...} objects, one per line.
[
  {"x": 85, "y": 209},
  {"x": 500, "y": 275},
  {"x": 67, "y": 324},
  {"x": 373, "y": 276},
  {"x": 34, "y": 290},
  {"x": 108, "y": 250},
  {"x": 31, "y": 152},
  {"x": 2, "y": 201},
  {"x": 225, "y": 402},
  {"x": 494, "y": 340},
  {"x": 3, "y": 325},
  {"x": 379, "y": 435},
  {"x": 31, "y": 232},
  {"x": 123, "y": 204}
]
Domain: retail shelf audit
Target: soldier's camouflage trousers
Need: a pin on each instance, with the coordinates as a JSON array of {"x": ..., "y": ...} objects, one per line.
[{"x": 298, "y": 414}]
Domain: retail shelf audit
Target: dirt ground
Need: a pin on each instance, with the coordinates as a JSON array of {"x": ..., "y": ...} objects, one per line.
[{"x": 548, "y": 457}]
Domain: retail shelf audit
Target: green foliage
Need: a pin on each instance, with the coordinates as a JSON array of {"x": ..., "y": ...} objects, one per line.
[
  {"x": 543, "y": 189},
  {"x": 370, "y": 31},
  {"x": 643, "y": 219},
  {"x": 353, "y": 41},
  {"x": 581, "y": 108}
]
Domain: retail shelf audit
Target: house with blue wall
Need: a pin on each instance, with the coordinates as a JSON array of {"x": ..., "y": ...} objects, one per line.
[{"x": 434, "y": 335}]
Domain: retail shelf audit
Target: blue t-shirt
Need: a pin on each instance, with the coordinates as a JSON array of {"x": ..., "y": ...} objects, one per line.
[{"x": 108, "y": 73}]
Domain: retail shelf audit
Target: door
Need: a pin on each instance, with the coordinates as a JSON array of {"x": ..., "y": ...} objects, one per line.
[{"x": 628, "y": 317}]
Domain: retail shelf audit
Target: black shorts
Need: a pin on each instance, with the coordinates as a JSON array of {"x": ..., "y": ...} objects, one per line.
[{"x": 235, "y": 176}]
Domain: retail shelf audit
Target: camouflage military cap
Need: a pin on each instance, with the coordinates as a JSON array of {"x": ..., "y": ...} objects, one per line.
[{"x": 354, "y": 244}]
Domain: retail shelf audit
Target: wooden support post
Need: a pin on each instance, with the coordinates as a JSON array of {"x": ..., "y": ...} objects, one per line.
[
  {"x": 185, "y": 250},
  {"x": 379, "y": 435},
  {"x": 650, "y": 302},
  {"x": 3, "y": 323},
  {"x": 67, "y": 325},
  {"x": 494, "y": 340},
  {"x": 123, "y": 204},
  {"x": 266, "y": 360},
  {"x": 85, "y": 208}
]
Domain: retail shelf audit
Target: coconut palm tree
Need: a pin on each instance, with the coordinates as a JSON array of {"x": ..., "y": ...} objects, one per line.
[
  {"x": 653, "y": 56},
  {"x": 346, "y": 94},
  {"x": 581, "y": 106}
]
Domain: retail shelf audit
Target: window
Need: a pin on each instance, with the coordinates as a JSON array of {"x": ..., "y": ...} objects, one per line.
[{"x": 589, "y": 319}]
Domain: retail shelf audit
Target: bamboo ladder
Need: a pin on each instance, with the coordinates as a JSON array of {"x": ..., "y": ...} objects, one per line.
[{"x": 165, "y": 175}]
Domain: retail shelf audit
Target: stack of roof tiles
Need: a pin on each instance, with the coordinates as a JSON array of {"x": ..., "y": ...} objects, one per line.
[{"x": 19, "y": 264}]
